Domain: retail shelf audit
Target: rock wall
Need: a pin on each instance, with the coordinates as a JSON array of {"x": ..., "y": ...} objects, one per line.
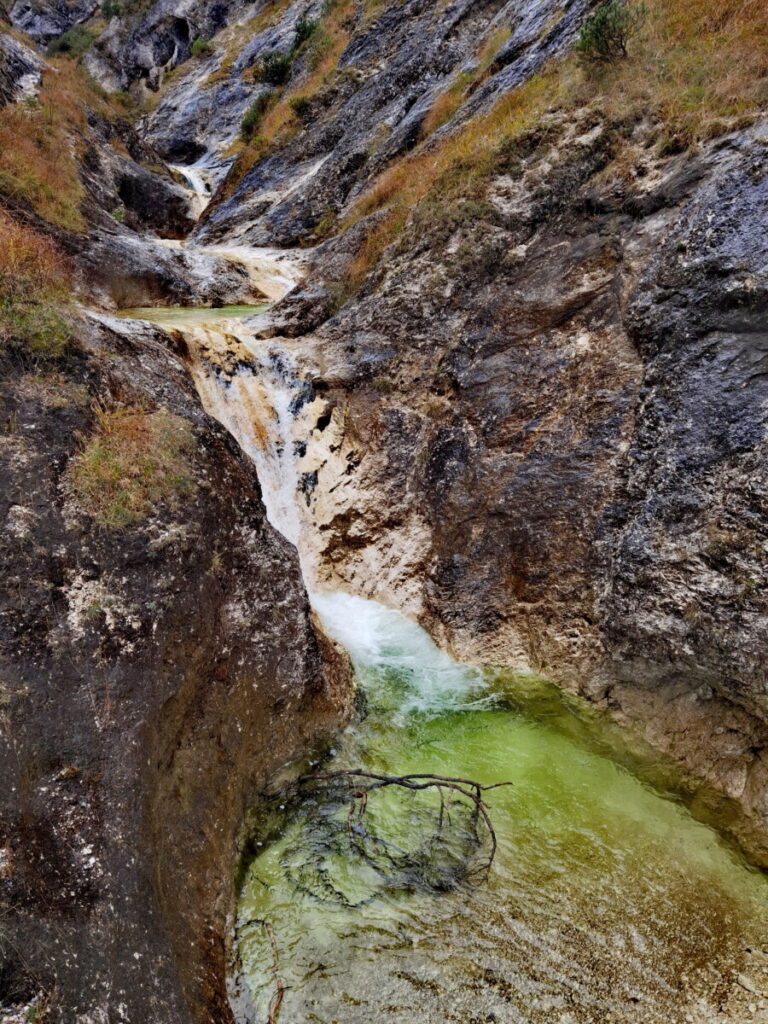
[
  {"x": 152, "y": 677},
  {"x": 541, "y": 428}
]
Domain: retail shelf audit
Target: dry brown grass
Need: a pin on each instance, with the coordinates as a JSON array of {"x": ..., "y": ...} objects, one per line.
[
  {"x": 697, "y": 67},
  {"x": 35, "y": 288},
  {"x": 133, "y": 461},
  {"x": 40, "y": 140},
  {"x": 31, "y": 265}
]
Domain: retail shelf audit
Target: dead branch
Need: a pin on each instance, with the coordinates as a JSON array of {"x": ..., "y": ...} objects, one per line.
[{"x": 467, "y": 788}]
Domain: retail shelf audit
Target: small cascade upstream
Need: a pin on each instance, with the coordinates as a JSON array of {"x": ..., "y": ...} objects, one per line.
[
  {"x": 607, "y": 901},
  {"x": 199, "y": 184}
]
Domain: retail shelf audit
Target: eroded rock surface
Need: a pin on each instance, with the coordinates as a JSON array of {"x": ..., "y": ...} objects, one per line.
[
  {"x": 541, "y": 428},
  {"x": 152, "y": 676}
]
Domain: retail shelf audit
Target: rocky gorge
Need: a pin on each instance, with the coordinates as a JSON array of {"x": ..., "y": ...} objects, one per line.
[{"x": 495, "y": 357}]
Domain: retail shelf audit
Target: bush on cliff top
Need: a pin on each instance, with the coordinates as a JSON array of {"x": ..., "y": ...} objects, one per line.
[
  {"x": 605, "y": 35},
  {"x": 132, "y": 461}
]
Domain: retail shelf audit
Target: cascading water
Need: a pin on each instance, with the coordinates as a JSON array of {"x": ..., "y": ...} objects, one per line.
[
  {"x": 198, "y": 184},
  {"x": 258, "y": 405},
  {"x": 607, "y": 901}
]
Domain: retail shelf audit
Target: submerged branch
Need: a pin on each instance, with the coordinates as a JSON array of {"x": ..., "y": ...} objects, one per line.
[{"x": 467, "y": 789}]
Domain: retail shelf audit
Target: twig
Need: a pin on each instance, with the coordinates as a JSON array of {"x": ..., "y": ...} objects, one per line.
[{"x": 274, "y": 1006}]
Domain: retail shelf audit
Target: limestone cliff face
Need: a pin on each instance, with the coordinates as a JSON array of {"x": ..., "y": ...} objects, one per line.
[
  {"x": 152, "y": 677},
  {"x": 546, "y": 436}
]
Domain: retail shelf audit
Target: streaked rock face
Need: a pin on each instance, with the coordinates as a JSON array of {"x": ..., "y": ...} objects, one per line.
[
  {"x": 43, "y": 20},
  {"x": 152, "y": 678},
  {"x": 20, "y": 70}
]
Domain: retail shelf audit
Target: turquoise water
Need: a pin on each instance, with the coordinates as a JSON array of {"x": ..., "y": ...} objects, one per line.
[{"x": 607, "y": 902}]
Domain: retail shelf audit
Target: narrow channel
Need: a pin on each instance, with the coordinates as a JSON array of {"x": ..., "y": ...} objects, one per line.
[{"x": 607, "y": 900}]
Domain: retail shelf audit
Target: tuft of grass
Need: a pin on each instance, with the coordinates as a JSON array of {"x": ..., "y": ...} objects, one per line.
[
  {"x": 201, "y": 47},
  {"x": 274, "y": 68},
  {"x": 35, "y": 287},
  {"x": 254, "y": 115},
  {"x": 133, "y": 461}
]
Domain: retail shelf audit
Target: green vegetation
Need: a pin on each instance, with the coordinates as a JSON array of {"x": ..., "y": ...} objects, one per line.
[
  {"x": 201, "y": 47},
  {"x": 34, "y": 294},
  {"x": 305, "y": 29},
  {"x": 73, "y": 43},
  {"x": 111, "y": 9},
  {"x": 131, "y": 462},
  {"x": 605, "y": 34},
  {"x": 254, "y": 115},
  {"x": 274, "y": 68}
]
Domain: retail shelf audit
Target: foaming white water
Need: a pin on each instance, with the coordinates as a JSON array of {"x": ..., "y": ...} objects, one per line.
[
  {"x": 380, "y": 639},
  {"x": 198, "y": 185},
  {"x": 273, "y": 271}
]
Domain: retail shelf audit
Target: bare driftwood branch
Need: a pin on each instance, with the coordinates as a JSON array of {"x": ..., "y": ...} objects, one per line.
[{"x": 467, "y": 788}]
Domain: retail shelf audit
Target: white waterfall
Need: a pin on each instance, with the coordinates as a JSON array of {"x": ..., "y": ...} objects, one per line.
[{"x": 198, "y": 185}]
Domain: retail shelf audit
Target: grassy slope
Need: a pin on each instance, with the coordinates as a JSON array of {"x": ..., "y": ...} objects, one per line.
[{"x": 696, "y": 69}]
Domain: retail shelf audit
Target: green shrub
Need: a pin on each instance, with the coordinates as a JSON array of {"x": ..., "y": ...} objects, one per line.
[
  {"x": 274, "y": 68},
  {"x": 301, "y": 106},
  {"x": 110, "y": 9},
  {"x": 201, "y": 47},
  {"x": 305, "y": 28},
  {"x": 73, "y": 43},
  {"x": 254, "y": 115},
  {"x": 605, "y": 34}
]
